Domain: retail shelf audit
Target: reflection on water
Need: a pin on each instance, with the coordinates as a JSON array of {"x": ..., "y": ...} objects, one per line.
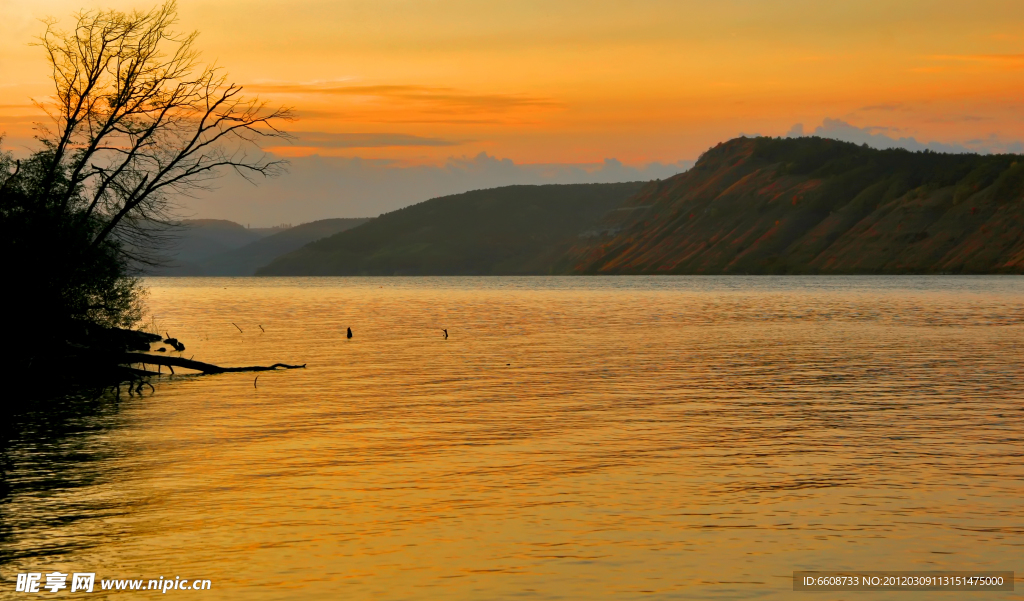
[
  {"x": 55, "y": 484},
  {"x": 573, "y": 438}
]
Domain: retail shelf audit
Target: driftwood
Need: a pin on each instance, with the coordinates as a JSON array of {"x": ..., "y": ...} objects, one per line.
[
  {"x": 140, "y": 373},
  {"x": 206, "y": 368},
  {"x": 94, "y": 358}
]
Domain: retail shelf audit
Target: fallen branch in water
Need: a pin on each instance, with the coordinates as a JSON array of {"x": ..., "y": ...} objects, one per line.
[
  {"x": 206, "y": 368},
  {"x": 140, "y": 373}
]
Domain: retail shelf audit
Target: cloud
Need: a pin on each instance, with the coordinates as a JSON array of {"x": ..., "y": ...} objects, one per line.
[
  {"x": 883, "y": 107},
  {"x": 435, "y": 119},
  {"x": 395, "y": 118},
  {"x": 796, "y": 131},
  {"x": 22, "y": 119},
  {"x": 1003, "y": 61},
  {"x": 317, "y": 139},
  {"x": 437, "y": 97},
  {"x": 880, "y": 128},
  {"x": 841, "y": 130},
  {"x": 837, "y": 129},
  {"x": 908, "y": 108},
  {"x": 958, "y": 119},
  {"x": 318, "y": 187},
  {"x": 980, "y": 58}
]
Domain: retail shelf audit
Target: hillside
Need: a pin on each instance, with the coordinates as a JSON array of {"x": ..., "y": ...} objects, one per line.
[
  {"x": 510, "y": 230},
  {"x": 198, "y": 240},
  {"x": 811, "y": 205},
  {"x": 217, "y": 247},
  {"x": 247, "y": 259}
]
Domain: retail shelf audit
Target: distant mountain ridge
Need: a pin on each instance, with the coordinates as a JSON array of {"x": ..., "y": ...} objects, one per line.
[
  {"x": 749, "y": 206},
  {"x": 195, "y": 240},
  {"x": 498, "y": 231},
  {"x": 218, "y": 247},
  {"x": 813, "y": 205},
  {"x": 246, "y": 260}
]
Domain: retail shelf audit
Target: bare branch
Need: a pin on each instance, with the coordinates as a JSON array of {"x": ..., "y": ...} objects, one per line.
[{"x": 137, "y": 120}]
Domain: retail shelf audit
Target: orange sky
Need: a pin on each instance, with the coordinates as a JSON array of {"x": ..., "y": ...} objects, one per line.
[{"x": 578, "y": 81}]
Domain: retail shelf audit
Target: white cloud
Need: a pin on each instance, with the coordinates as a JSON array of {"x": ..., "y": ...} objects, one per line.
[{"x": 874, "y": 137}]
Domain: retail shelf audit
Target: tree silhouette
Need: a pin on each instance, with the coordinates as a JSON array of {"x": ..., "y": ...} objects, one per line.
[{"x": 136, "y": 121}]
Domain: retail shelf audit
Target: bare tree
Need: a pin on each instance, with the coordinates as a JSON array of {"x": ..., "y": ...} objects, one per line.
[{"x": 138, "y": 119}]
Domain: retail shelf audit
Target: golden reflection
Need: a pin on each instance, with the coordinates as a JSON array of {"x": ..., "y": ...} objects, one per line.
[{"x": 572, "y": 438}]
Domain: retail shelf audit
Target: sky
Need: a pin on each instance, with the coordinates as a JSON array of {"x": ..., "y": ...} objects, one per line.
[{"x": 401, "y": 100}]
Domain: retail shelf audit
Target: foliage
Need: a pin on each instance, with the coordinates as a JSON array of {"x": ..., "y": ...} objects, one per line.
[
  {"x": 59, "y": 275},
  {"x": 136, "y": 120}
]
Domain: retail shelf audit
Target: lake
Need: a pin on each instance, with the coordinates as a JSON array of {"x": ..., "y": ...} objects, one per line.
[{"x": 572, "y": 438}]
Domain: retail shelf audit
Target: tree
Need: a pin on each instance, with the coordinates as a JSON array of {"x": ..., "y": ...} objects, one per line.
[{"x": 136, "y": 121}]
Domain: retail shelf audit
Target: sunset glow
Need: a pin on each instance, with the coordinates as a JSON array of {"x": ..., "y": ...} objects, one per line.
[
  {"x": 408, "y": 300},
  {"x": 575, "y": 82}
]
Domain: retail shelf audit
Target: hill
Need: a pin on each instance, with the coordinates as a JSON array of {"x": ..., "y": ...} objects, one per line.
[
  {"x": 812, "y": 205},
  {"x": 247, "y": 259},
  {"x": 198, "y": 240},
  {"x": 217, "y": 247},
  {"x": 510, "y": 230}
]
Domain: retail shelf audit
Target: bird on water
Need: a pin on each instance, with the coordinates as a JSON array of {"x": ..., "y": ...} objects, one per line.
[
  {"x": 349, "y": 335},
  {"x": 445, "y": 334}
]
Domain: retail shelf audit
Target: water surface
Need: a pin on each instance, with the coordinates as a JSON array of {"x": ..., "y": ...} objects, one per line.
[{"x": 573, "y": 438}]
